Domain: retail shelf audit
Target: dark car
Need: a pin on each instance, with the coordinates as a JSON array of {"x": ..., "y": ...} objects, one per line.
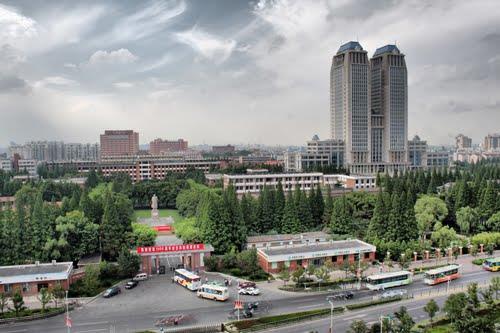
[
  {"x": 131, "y": 284},
  {"x": 245, "y": 285},
  {"x": 342, "y": 295},
  {"x": 247, "y": 314},
  {"x": 112, "y": 292}
]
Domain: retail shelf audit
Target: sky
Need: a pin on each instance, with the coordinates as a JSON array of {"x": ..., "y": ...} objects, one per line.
[{"x": 230, "y": 71}]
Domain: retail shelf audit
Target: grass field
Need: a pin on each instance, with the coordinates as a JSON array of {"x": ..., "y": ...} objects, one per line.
[{"x": 163, "y": 213}]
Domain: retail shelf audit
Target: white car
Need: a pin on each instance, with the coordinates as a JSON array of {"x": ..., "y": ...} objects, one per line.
[
  {"x": 249, "y": 291},
  {"x": 394, "y": 293}
]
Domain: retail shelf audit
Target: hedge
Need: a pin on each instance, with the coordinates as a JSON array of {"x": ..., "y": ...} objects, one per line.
[
  {"x": 262, "y": 322},
  {"x": 372, "y": 303}
]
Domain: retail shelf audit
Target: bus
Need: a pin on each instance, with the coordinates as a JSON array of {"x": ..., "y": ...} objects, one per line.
[
  {"x": 492, "y": 264},
  {"x": 214, "y": 292},
  {"x": 442, "y": 274},
  {"x": 187, "y": 279},
  {"x": 388, "y": 280}
]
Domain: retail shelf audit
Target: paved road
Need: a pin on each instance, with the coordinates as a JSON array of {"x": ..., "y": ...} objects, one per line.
[{"x": 138, "y": 309}]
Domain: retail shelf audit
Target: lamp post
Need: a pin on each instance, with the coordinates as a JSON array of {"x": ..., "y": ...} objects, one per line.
[
  {"x": 331, "y": 313},
  {"x": 359, "y": 270},
  {"x": 68, "y": 326}
]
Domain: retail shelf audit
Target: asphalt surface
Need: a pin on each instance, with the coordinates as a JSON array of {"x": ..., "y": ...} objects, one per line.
[{"x": 138, "y": 309}]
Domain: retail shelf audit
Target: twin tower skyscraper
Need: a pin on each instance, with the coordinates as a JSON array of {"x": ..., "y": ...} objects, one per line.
[{"x": 369, "y": 108}]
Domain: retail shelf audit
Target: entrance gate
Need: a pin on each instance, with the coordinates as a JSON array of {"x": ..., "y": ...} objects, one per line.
[{"x": 191, "y": 256}]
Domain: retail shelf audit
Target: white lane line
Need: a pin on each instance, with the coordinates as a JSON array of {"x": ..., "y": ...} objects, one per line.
[
  {"x": 96, "y": 330},
  {"x": 302, "y": 300},
  {"x": 354, "y": 317},
  {"x": 416, "y": 308},
  {"x": 92, "y": 323},
  {"x": 17, "y": 331},
  {"x": 310, "y": 306}
]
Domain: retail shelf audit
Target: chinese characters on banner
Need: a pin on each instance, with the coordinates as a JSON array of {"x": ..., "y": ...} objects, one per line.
[{"x": 170, "y": 248}]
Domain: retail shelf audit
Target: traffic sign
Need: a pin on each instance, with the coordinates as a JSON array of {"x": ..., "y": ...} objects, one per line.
[{"x": 238, "y": 305}]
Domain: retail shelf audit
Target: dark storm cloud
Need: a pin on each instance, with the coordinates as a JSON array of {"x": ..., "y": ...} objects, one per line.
[{"x": 13, "y": 84}]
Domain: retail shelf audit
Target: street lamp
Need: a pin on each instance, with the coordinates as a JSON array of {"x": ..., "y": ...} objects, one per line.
[
  {"x": 331, "y": 313},
  {"x": 359, "y": 270},
  {"x": 388, "y": 318}
]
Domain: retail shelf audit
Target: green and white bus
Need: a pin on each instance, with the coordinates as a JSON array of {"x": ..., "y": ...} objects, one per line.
[{"x": 388, "y": 280}]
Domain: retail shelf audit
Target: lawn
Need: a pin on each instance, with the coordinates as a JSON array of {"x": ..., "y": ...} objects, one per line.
[{"x": 163, "y": 213}]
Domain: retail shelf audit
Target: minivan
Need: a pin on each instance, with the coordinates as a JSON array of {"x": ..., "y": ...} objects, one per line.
[{"x": 140, "y": 277}]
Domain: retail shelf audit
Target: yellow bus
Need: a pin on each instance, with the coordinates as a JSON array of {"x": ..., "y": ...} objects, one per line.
[
  {"x": 492, "y": 264},
  {"x": 214, "y": 292}
]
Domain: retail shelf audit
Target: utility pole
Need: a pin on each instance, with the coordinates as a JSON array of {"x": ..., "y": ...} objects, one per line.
[
  {"x": 331, "y": 314},
  {"x": 359, "y": 270},
  {"x": 68, "y": 322}
]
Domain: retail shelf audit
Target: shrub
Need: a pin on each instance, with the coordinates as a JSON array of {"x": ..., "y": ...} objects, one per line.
[{"x": 372, "y": 303}]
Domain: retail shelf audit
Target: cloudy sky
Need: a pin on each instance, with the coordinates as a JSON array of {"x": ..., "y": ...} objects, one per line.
[{"x": 223, "y": 71}]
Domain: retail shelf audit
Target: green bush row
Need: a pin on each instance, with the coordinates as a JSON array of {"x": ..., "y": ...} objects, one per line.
[
  {"x": 296, "y": 316},
  {"x": 372, "y": 303},
  {"x": 28, "y": 312}
]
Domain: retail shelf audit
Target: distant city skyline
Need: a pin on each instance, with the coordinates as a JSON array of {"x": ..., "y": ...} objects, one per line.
[{"x": 237, "y": 72}]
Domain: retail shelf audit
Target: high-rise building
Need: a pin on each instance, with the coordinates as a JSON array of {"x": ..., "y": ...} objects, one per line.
[
  {"x": 463, "y": 142},
  {"x": 159, "y": 146},
  {"x": 389, "y": 108},
  {"x": 492, "y": 141},
  {"x": 350, "y": 104},
  {"x": 417, "y": 150},
  {"x": 119, "y": 143}
]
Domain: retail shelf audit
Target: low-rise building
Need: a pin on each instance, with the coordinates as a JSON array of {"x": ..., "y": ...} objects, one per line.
[
  {"x": 275, "y": 259},
  {"x": 354, "y": 182},
  {"x": 227, "y": 149},
  {"x": 437, "y": 159},
  {"x": 5, "y": 165},
  {"x": 263, "y": 241},
  {"x": 7, "y": 202},
  {"x": 30, "y": 279},
  {"x": 29, "y": 166}
]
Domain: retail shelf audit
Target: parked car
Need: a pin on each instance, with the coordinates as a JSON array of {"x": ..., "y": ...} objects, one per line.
[
  {"x": 140, "y": 277},
  {"x": 131, "y": 284},
  {"x": 247, "y": 313},
  {"x": 249, "y": 291},
  {"x": 244, "y": 285},
  {"x": 343, "y": 295},
  {"x": 394, "y": 293},
  {"x": 252, "y": 305},
  {"x": 110, "y": 292}
]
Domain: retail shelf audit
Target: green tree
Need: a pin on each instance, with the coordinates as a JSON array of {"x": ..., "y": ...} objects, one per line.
[
  {"x": 495, "y": 285},
  {"x": 454, "y": 306},
  {"x": 290, "y": 223},
  {"x": 317, "y": 206},
  {"x": 18, "y": 303},
  {"x": 90, "y": 280},
  {"x": 297, "y": 275},
  {"x": 303, "y": 209},
  {"x": 112, "y": 233},
  {"x": 431, "y": 308},
  {"x": 279, "y": 207},
  {"x": 3, "y": 303},
  {"x": 377, "y": 228},
  {"x": 58, "y": 293},
  {"x": 128, "y": 263},
  {"x": 467, "y": 219},
  {"x": 493, "y": 223},
  {"x": 284, "y": 275},
  {"x": 143, "y": 235},
  {"x": 428, "y": 211},
  {"x": 404, "y": 321},
  {"x": 444, "y": 236},
  {"x": 488, "y": 204},
  {"x": 358, "y": 326},
  {"x": 44, "y": 297},
  {"x": 327, "y": 211},
  {"x": 341, "y": 221}
]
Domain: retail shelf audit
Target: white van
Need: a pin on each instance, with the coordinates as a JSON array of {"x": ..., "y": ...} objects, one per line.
[{"x": 140, "y": 277}]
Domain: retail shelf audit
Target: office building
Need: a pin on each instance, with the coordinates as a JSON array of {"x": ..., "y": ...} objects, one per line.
[
  {"x": 263, "y": 241},
  {"x": 290, "y": 257},
  {"x": 417, "y": 150},
  {"x": 438, "y": 159},
  {"x": 81, "y": 152},
  {"x": 5, "y": 165},
  {"x": 492, "y": 142},
  {"x": 389, "y": 109},
  {"x": 350, "y": 104},
  {"x": 119, "y": 143},
  {"x": 159, "y": 146},
  {"x": 319, "y": 153},
  {"x": 29, "y": 166},
  {"x": 227, "y": 149},
  {"x": 463, "y": 142}
]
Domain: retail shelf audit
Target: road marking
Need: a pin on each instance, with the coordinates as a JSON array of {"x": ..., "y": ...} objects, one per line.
[
  {"x": 96, "y": 330},
  {"x": 17, "y": 331},
  {"x": 416, "y": 308},
  {"x": 354, "y": 317},
  {"x": 310, "y": 306},
  {"x": 92, "y": 323}
]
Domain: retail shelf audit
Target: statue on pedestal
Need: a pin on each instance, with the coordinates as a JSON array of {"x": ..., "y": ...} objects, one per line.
[{"x": 154, "y": 207}]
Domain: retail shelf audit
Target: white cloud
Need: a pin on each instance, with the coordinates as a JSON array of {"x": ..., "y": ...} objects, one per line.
[
  {"x": 123, "y": 85},
  {"x": 121, "y": 56},
  {"x": 70, "y": 65},
  {"x": 209, "y": 46},
  {"x": 165, "y": 59},
  {"x": 14, "y": 25},
  {"x": 145, "y": 22},
  {"x": 55, "y": 81}
]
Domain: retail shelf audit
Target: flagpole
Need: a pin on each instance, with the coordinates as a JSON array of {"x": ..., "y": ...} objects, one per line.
[{"x": 67, "y": 313}]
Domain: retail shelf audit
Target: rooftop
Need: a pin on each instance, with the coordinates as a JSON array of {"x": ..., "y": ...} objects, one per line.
[
  {"x": 390, "y": 48},
  {"x": 286, "y": 237},
  {"x": 35, "y": 272},
  {"x": 353, "y": 244},
  {"x": 350, "y": 46}
]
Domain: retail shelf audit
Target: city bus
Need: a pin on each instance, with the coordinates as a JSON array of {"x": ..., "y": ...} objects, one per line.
[
  {"x": 187, "y": 279},
  {"x": 388, "y": 280},
  {"x": 442, "y": 274},
  {"x": 492, "y": 264},
  {"x": 214, "y": 292}
]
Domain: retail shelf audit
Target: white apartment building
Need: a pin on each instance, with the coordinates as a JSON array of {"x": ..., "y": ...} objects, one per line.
[
  {"x": 437, "y": 159},
  {"x": 5, "y": 165},
  {"x": 28, "y": 165},
  {"x": 253, "y": 184}
]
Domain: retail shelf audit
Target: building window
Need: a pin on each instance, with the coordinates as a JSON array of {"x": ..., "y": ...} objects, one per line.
[
  {"x": 7, "y": 288},
  {"x": 287, "y": 263},
  {"x": 26, "y": 287},
  {"x": 274, "y": 265}
]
